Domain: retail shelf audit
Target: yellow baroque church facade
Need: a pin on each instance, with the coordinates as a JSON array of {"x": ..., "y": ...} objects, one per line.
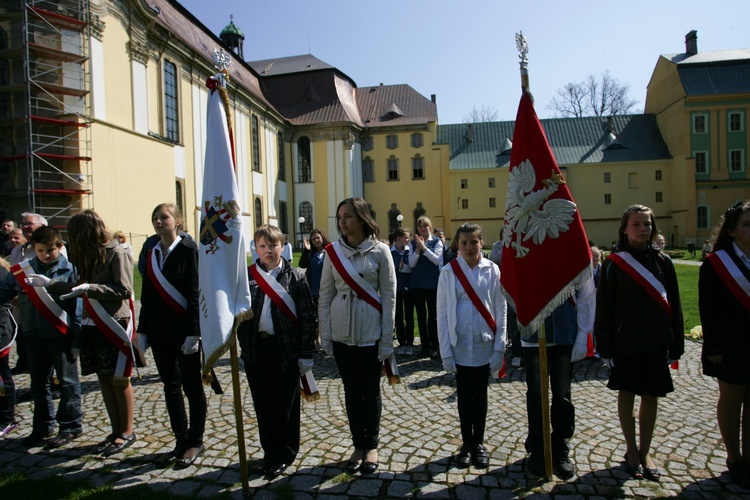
[{"x": 103, "y": 105}]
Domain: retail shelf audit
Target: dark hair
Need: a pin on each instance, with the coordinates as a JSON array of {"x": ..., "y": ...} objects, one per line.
[
  {"x": 271, "y": 233},
  {"x": 729, "y": 223},
  {"x": 369, "y": 226},
  {"x": 469, "y": 228},
  {"x": 88, "y": 240},
  {"x": 173, "y": 210},
  {"x": 400, "y": 231},
  {"x": 636, "y": 209},
  {"x": 46, "y": 235},
  {"x": 322, "y": 235}
]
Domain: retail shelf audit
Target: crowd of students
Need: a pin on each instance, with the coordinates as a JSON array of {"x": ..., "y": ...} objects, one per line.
[{"x": 355, "y": 292}]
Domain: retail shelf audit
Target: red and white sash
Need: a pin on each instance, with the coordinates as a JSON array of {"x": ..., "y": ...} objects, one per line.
[
  {"x": 174, "y": 299},
  {"x": 463, "y": 278},
  {"x": 731, "y": 276},
  {"x": 114, "y": 332},
  {"x": 643, "y": 277},
  {"x": 40, "y": 297},
  {"x": 346, "y": 270},
  {"x": 274, "y": 291}
]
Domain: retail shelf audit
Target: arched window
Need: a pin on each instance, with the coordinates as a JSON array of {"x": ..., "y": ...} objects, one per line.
[
  {"x": 306, "y": 211},
  {"x": 303, "y": 160},
  {"x": 258, "y": 213}
]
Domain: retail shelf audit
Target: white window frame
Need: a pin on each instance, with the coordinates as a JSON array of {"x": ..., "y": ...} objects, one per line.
[
  {"x": 708, "y": 162},
  {"x": 742, "y": 161},
  {"x": 707, "y": 224},
  {"x": 705, "y": 123},
  {"x": 741, "y": 114}
]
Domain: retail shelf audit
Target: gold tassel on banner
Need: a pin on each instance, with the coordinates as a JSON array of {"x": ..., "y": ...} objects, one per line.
[
  {"x": 390, "y": 370},
  {"x": 309, "y": 387}
]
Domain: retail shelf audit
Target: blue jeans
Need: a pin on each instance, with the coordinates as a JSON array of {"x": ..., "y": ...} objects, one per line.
[
  {"x": 43, "y": 355},
  {"x": 562, "y": 416}
]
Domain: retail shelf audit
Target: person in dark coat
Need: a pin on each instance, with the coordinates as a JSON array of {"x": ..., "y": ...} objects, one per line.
[
  {"x": 725, "y": 317},
  {"x": 639, "y": 331},
  {"x": 169, "y": 323}
]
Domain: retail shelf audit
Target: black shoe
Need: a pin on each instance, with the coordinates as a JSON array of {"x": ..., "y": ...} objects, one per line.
[
  {"x": 276, "y": 469},
  {"x": 424, "y": 353},
  {"x": 463, "y": 459},
  {"x": 564, "y": 468},
  {"x": 739, "y": 474},
  {"x": 35, "y": 438},
  {"x": 480, "y": 458},
  {"x": 63, "y": 438},
  {"x": 368, "y": 467},
  {"x": 115, "y": 447},
  {"x": 187, "y": 461},
  {"x": 353, "y": 466},
  {"x": 434, "y": 354},
  {"x": 535, "y": 464}
]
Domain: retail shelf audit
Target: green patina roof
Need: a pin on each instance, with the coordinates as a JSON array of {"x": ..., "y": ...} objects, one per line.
[
  {"x": 573, "y": 141},
  {"x": 232, "y": 29}
]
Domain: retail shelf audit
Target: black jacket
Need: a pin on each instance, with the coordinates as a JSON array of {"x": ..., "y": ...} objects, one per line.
[
  {"x": 157, "y": 319},
  {"x": 725, "y": 321},
  {"x": 628, "y": 320},
  {"x": 294, "y": 340}
]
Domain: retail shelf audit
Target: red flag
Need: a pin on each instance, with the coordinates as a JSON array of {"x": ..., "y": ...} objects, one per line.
[{"x": 546, "y": 255}]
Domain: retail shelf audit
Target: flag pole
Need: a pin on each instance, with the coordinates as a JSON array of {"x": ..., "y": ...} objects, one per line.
[
  {"x": 522, "y": 45},
  {"x": 238, "y": 416}
]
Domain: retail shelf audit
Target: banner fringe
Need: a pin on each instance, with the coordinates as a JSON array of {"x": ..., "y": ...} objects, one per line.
[
  {"x": 575, "y": 284},
  {"x": 218, "y": 353}
]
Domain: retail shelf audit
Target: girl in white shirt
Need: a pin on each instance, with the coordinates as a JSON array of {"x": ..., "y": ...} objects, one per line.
[{"x": 471, "y": 332}]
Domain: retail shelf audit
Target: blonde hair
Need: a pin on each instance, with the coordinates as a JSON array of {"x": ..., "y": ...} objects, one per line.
[
  {"x": 120, "y": 234},
  {"x": 173, "y": 210}
]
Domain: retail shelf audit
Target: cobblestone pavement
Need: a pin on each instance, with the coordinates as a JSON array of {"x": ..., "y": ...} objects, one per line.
[{"x": 418, "y": 436}]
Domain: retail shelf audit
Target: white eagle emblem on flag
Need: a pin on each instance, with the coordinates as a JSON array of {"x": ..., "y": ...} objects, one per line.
[{"x": 528, "y": 213}]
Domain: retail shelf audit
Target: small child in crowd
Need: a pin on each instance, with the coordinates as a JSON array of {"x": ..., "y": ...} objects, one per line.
[{"x": 51, "y": 327}]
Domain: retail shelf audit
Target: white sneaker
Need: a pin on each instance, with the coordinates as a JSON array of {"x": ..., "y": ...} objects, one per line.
[
  {"x": 516, "y": 363},
  {"x": 8, "y": 429}
]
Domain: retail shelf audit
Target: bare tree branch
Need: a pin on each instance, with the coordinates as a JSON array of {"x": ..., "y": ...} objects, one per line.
[
  {"x": 598, "y": 95},
  {"x": 482, "y": 115}
]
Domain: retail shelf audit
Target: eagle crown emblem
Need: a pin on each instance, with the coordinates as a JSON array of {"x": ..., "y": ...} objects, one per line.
[{"x": 529, "y": 214}]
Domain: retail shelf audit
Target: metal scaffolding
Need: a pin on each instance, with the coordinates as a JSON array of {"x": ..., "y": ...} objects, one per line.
[{"x": 45, "y": 137}]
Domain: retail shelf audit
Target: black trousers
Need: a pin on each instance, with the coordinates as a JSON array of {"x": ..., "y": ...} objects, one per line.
[
  {"x": 562, "y": 413},
  {"x": 360, "y": 372},
  {"x": 7, "y": 402},
  {"x": 275, "y": 391},
  {"x": 425, "y": 303},
  {"x": 179, "y": 372},
  {"x": 472, "y": 382},
  {"x": 404, "y": 318}
]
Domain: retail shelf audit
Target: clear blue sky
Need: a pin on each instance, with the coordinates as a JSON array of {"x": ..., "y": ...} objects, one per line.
[{"x": 465, "y": 52}]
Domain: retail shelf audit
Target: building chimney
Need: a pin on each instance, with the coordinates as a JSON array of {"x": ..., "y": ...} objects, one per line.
[
  {"x": 470, "y": 132},
  {"x": 691, "y": 43},
  {"x": 433, "y": 98}
]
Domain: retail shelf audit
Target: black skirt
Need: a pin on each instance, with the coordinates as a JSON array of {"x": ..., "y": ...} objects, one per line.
[{"x": 641, "y": 374}]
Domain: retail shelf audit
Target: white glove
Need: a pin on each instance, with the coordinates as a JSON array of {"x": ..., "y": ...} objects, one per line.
[
  {"x": 449, "y": 365},
  {"x": 75, "y": 352},
  {"x": 77, "y": 291},
  {"x": 580, "y": 347},
  {"x": 496, "y": 361},
  {"x": 384, "y": 351},
  {"x": 305, "y": 365},
  {"x": 327, "y": 346},
  {"x": 38, "y": 280},
  {"x": 143, "y": 342},
  {"x": 191, "y": 345},
  {"x": 609, "y": 362}
]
